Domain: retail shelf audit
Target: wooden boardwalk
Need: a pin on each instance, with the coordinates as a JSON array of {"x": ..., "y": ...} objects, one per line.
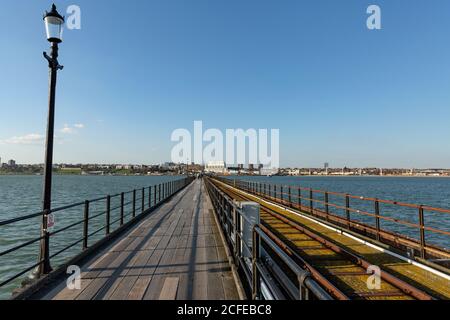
[{"x": 175, "y": 253}]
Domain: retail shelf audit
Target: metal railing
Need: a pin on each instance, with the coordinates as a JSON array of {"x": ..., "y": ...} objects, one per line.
[
  {"x": 129, "y": 206},
  {"x": 354, "y": 213},
  {"x": 269, "y": 272}
]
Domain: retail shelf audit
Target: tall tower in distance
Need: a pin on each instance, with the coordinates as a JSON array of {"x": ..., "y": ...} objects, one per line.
[{"x": 326, "y": 165}]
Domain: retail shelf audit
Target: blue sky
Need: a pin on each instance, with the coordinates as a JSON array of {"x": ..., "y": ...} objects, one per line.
[{"x": 137, "y": 70}]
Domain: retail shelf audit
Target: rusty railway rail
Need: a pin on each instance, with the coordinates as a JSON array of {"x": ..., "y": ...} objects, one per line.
[{"x": 341, "y": 272}]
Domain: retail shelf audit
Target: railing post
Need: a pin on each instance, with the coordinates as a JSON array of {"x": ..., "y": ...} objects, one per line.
[
  {"x": 149, "y": 197},
  {"x": 275, "y": 192},
  {"x": 304, "y": 292},
  {"x": 85, "y": 225},
  {"x": 108, "y": 213},
  {"x": 311, "y": 201},
  {"x": 377, "y": 219},
  {"x": 134, "y": 203},
  {"x": 44, "y": 267},
  {"x": 422, "y": 233},
  {"x": 256, "y": 282},
  {"x": 327, "y": 208},
  {"x": 281, "y": 194},
  {"x": 347, "y": 210},
  {"x": 265, "y": 193},
  {"x": 122, "y": 201},
  {"x": 289, "y": 196},
  {"x": 270, "y": 191},
  {"x": 299, "y": 198},
  {"x": 143, "y": 201},
  {"x": 159, "y": 193},
  {"x": 154, "y": 195},
  {"x": 237, "y": 230}
]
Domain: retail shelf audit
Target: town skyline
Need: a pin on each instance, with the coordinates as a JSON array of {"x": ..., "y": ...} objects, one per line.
[{"x": 128, "y": 165}]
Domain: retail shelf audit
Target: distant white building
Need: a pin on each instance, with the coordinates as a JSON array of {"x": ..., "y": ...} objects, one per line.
[
  {"x": 216, "y": 167},
  {"x": 294, "y": 172},
  {"x": 268, "y": 171}
]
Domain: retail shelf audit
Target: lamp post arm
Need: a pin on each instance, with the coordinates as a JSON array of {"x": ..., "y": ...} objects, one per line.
[{"x": 53, "y": 59}]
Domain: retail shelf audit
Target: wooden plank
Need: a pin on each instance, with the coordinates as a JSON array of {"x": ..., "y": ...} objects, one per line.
[
  {"x": 215, "y": 286},
  {"x": 138, "y": 290},
  {"x": 200, "y": 283},
  {"x": 169, "y": 290},
  {"x": 165, "y": 266},
  {"x": 66, "y": 294},
  {"x": 229, "y": 286}
]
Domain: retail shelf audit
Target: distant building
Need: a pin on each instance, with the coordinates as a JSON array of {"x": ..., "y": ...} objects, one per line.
[
  {"x": 12, "y": 163},
  {"x": 216, "y": 167},
  {"x": 123, "y": 167},
  {"x": 269, "y": 171}
]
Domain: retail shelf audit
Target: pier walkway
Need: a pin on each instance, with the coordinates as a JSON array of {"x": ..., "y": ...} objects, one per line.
[{"x": 176, "y": 252}]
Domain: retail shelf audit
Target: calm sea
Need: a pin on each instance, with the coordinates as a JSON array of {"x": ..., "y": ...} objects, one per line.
[{"x": 20, "y": 195}]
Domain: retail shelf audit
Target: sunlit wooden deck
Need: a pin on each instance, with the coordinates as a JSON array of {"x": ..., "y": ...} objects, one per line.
[{"x": 175, "y": 253}]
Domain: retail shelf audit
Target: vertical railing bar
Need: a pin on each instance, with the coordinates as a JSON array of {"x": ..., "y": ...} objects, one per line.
[
  {"x": 299, "y": 198},
  {"x": 143, "y": 201},
  {"x": 108, "y": 214},
  {"x": 422, "y": 232},
  {"x": 122, "y": 201},
  {"x": 377, "y": 219},
  {"x": 289, "y": 197},
  {"x": 85, "y": 225},
  {"x": 347, "y": 210},
  {"x": 149, "y": 197},
  {"x": 281, "y": 194},
  {"x": 255, "y": 273},
  {"x": 134, "y": 203}
]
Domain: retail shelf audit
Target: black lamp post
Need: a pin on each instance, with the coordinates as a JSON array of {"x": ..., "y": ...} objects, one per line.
[{"x": 54, "y": 24}]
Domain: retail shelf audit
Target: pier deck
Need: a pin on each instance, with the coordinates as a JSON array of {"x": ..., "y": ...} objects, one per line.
[{"x": 175, "y": 253}]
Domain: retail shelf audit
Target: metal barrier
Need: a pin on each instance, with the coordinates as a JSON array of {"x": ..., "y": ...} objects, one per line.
[
  {"x": 317, "y": 203},
  {"x": 269, "y": 273},
  {"x": 156, "y": 194}
]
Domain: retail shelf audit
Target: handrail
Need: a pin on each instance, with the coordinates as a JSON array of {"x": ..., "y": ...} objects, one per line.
[
  {"x": 149, "y": 198},
  {"x": 229, "y": 214},
  {"x": 302, "y": 275},
  {"x": 293, "y": 197}
]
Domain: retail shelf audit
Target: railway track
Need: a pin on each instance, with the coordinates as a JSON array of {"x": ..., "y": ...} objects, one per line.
[{"x": 341, "y": 272}]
